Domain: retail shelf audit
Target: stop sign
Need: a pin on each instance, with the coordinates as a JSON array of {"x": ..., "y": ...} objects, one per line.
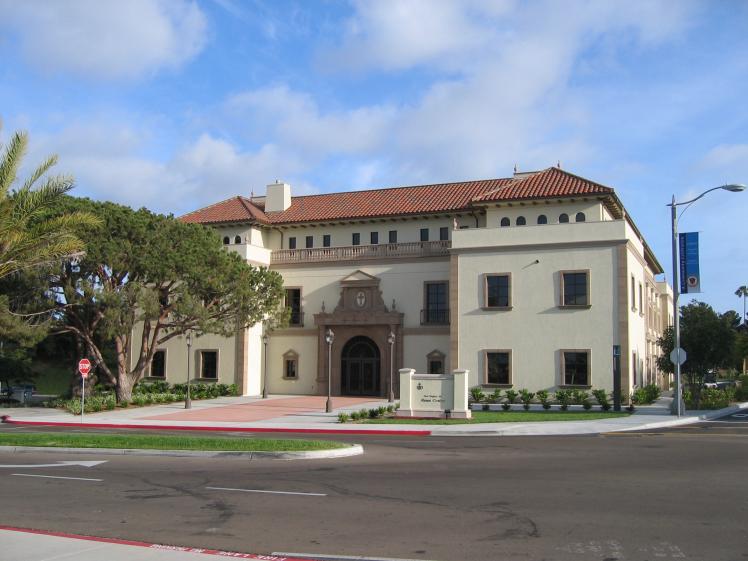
[{"x": 84, "y": 367}]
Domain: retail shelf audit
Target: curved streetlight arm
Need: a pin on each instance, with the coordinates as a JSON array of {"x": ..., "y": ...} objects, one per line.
[{"x": 733, "y": 187}]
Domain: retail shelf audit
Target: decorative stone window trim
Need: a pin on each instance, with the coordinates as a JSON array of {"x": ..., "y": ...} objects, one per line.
[
  {"x": 562, "y": 302},
  {"x": 291, "y": 356}
]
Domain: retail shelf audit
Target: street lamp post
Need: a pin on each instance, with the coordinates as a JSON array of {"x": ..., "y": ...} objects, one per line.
[
  {"x": 265, "y": 339},
  {"x": 735, "y": 188},
  {"x": 391, "y": 341},
  {"x": 188, "y": 401},
  {"x": 329, "y": 338}
]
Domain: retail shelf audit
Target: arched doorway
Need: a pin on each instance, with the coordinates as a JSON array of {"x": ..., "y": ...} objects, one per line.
[{"x": 359, "y": 367}]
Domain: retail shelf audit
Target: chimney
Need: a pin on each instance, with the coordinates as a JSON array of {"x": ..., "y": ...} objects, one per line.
[{"x": 278, "y": 197}]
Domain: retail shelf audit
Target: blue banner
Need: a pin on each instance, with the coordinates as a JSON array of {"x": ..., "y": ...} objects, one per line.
[{"x": 690, "y": 280}]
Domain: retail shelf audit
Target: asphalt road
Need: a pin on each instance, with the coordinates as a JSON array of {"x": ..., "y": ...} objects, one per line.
[{"x": 667, "y": 495}]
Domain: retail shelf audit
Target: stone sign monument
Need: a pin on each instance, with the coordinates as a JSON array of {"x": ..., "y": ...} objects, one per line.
[{"x": 434, "y": 395}]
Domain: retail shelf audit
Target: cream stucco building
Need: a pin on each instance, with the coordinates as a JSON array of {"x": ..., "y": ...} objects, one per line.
[{"x": 527, "y": 282}]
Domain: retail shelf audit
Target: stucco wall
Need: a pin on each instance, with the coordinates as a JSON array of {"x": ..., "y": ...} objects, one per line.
[{"x": 536, "y": 329}]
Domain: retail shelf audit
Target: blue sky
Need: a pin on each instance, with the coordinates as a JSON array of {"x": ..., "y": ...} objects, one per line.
[{"x": 174, "y": 104}]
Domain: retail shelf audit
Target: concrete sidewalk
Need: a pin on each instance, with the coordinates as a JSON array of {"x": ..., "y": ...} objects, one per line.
[
  {"x": 20, "y": 544},
  {"x": 306, "y": 414}
]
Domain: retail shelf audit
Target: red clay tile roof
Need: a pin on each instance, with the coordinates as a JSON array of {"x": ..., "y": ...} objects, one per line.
[
  {"x": 551, "y": 182},
  {"x": 398, "y": 201},
  {"x": 235, "y": 209}
]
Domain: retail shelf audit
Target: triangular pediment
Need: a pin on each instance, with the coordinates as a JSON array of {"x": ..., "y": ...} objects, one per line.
[{"x": 357, "y": 276}]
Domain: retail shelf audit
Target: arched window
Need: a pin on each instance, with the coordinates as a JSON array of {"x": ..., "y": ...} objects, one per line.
[
  {"x": 226, "y": 240},
  {"x": 580, "y": 217},
  {"x": 563, "y": 218},
  {"x": 237, "y": 239},
  {"x": 521, "y": 221},
  {"x": 504, "y": 222},
  {"x": 542, "y": 219}
]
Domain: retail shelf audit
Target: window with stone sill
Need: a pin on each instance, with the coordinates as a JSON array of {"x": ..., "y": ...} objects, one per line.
[
  {"x": 291, "y": 365},
  {"x": 575, "y": 289},
  {"x": 575, "y": 367},
  {"x": 497, "y": 291},
  {"x": 209, "y": 364},
  {"x": 497, "y": 367}
]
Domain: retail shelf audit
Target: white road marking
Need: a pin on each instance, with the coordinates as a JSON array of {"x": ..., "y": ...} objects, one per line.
[
  {"x": 263, "y": 491},
  {"x": 55, "y": 477},
  {"x": 58, "y": 464},
  {"x": 408, "y": 441}
]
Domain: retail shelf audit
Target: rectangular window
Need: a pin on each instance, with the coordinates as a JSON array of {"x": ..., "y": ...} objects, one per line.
[
  {"x": 633, "y": 294},
  {"x": 356, "y": 240},
  {"x": 309, "y": 241},
  {"x": 158, "y": 365},
  {"x": 497, "y": 291},
  {"x": 209, "y": 364},
  {"x": 436, "y": 303},
  {"x": 575, "y": 368},
  {"x": 393, "y": 236},
  {"x": 293, "y": 303},
  {"x": 424, "y": 234},
  {"x": 436, "y": 366},
  {"x": 575, "y": 288},
  {"x": 498, "y": 367},
  {"x": 291, "y": 243},
  {"x": 374, "y": 238},
  {"x": 443, "y": 233},
  {"x": 290, "y": 370},
  {"x": 641, "y": 300},
  {"x": 326, "y": 240}
]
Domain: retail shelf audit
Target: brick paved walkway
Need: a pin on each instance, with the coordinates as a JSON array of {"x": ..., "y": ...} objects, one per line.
[{"x": 261, "y": 410}]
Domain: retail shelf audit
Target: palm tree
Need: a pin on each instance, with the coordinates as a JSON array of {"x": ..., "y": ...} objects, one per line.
[
  {"x": 742, "y": 291},
  {"x": 29, "y": 235}
]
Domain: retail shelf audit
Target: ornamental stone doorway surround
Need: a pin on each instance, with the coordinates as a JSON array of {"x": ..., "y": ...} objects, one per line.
[{"x": 360, "y": 312}]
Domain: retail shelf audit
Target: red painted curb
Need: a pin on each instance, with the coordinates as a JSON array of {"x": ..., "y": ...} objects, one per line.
[
  {"x": 385, "y": 432},
  {"x": 204, "y": 551}
]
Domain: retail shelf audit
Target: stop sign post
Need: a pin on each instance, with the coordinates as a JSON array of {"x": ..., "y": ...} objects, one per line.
[
  {"x": 678, "y": 356},
  {"x": 84, "y": 367}
]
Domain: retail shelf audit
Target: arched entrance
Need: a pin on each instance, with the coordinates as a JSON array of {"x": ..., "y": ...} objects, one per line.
[{"x": 359, "y": 367}]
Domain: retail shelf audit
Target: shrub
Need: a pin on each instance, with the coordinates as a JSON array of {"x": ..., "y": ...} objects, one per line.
[
  {"x": 373, "y": 413},
  {"x": 542, "y": 396},
  {"x": 602, "y": 399},
  {"x": 355, "y": 415},
  {"x": 342, "y": 417},
  {"x": 139, "y": 399},
  {"x": 511, "y": 396},
  {"x": 715, "y": 399},
  {"x": 564, "y": 398},
  {"x": 124, "y": 404},
  {"x": 363, "y": 413},
  {"x": 382, "y": 410},
  {"x": 526, "y": 397},
  {"x": 390, "y": 409},
  {"x": 506, "y": 406},
  {"x": 476, "y": 394},
  {"x": 486, "y": 407},
  {"x": 495, "y": 397},
  {"x": 578, "y": 396},
  {"x": 587, "y": 404},
  {"x": 646, "y": 394}
]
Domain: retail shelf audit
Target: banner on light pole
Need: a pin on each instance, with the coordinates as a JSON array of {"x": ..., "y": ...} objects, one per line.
[{"x": 690, "y": 279}]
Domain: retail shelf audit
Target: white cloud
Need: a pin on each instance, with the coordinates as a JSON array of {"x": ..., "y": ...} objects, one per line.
[
  {"x": 727, "y": 155},
  {"x": 108, "y": 40},
  {"x": 295, "y": 120}
]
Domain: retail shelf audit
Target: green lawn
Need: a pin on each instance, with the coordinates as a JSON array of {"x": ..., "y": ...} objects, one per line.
[
  {"x": 165, "y": 442},
  {"x": 507, "y": 417}
]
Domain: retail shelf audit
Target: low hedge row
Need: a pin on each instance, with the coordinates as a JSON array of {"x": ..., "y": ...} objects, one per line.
[{"x": 145, "y": 393}]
